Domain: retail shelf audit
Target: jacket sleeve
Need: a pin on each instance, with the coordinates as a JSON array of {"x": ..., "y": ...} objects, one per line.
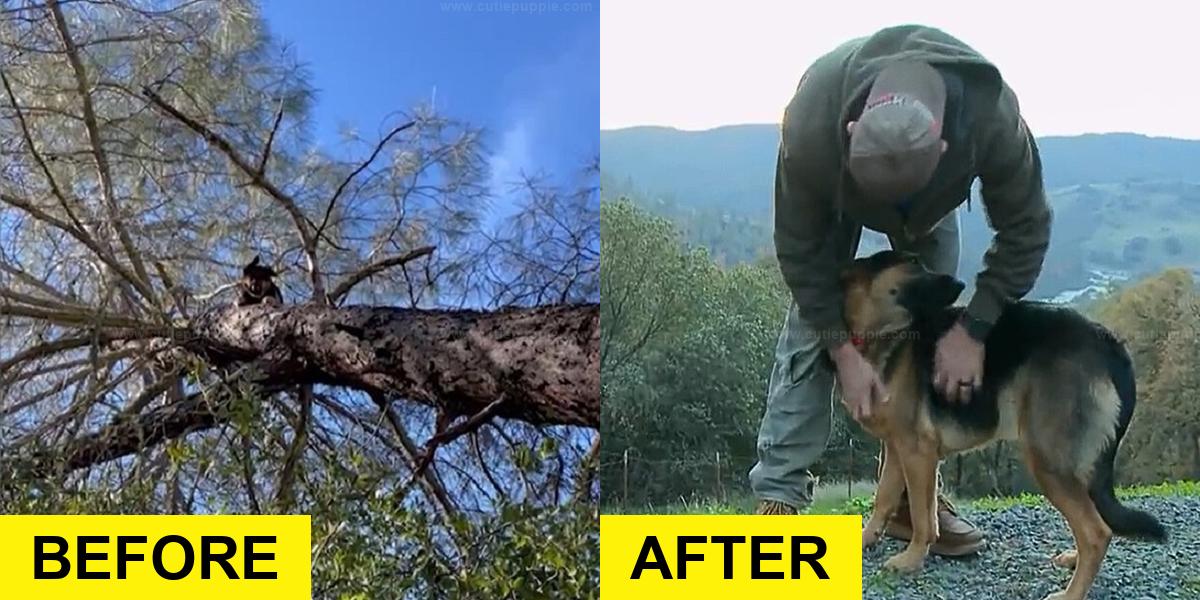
[
  {"x": 804, "y": 245},
  {"x": 1017, "y": 210}
]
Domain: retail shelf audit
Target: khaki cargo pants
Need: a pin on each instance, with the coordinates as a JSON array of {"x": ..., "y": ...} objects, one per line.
[{"x": 796, "y": 427}]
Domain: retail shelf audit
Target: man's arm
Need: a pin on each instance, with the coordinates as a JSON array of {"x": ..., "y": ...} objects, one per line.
[
  {"x": 1015, "y": 201},
  {"x": 803, "y": 245},
  {"x": 805, "y": 242}
]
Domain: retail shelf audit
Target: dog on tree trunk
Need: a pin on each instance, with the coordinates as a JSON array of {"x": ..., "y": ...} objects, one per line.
[
  {"x": 258, "y": 285},
  {"x": 1060, "y": 386}
]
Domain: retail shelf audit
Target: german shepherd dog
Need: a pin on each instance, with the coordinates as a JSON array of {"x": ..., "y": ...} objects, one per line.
[{"x": 1053, "y": 381}]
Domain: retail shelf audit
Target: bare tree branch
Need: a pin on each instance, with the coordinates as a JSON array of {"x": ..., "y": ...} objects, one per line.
[
  {"x": 220, "y": 289},
  {"x": 133, "y": 329},
  {"x": 266, "y": 153},
  {"x": 248, "y": 474},
  {"x": 285, "y": 489},
  {"x": 43, "y": 350},
  {"x": 375, "y": 268},
  {"x": 429, "y": 479},
  {"x": 366, "y": 163},
  {"x": 452, "y": 433},
  {"x": 35, "y": 283}
]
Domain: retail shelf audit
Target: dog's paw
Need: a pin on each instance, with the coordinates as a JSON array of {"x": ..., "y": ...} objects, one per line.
[
  {"x": 905, "y": 563},
  {"x": 1065, "y": 559},
  {"x": 1057, "y": 596},
  {"x": 870, "y": 537}
]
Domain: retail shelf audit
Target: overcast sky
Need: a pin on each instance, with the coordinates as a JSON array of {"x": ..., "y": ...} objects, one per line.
[{"x": 1076, "y": 66}]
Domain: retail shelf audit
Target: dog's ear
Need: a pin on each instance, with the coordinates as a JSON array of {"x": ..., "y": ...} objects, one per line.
[
  {"x": 251, "y": 267},
  {"x": 943, "y": 290},
  {"x": 931, "y": 293},
  {"x": 256, "y": 270}
]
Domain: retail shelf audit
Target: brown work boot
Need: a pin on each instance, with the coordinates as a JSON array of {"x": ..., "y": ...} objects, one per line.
[
  {"x": 956, "y": 535},
  {"x": 774, "y": 507}
]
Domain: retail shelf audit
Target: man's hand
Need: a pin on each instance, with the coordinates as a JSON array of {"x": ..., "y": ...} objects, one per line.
[
  {"x": 958, "y": 365},
  {"x": 861, "y": 385}
]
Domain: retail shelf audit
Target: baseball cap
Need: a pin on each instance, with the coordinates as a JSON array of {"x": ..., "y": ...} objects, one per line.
[{"x": 896, "y": 143}]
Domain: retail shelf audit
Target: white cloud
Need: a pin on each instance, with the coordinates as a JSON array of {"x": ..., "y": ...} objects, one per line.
[{"x": 513, "y": 157}]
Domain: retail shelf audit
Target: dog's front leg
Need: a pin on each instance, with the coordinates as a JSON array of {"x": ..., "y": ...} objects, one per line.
[
  {"x": 919, "y": 460},
  {"x": 887, "y": 497}
]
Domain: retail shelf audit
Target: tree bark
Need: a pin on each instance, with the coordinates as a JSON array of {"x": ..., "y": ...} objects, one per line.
[{"x": 544, "y": 361}]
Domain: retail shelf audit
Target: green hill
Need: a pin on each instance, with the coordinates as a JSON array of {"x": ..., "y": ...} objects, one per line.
[{"x": 1121, "y": 201}]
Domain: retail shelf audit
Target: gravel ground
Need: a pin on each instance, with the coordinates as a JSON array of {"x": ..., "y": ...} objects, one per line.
[{"x": 1016, "y": 563}]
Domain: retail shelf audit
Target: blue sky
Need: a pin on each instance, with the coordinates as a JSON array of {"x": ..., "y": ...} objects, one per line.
[{"x": 530, "y": 79}]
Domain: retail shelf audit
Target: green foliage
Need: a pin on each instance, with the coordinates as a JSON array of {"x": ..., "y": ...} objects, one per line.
[
  {"x": 686, "y": 348},
  {"x": 531, "y": 553},
  {"x": 829, "y": 500},
  {"x": 1003, "y": 502},
  {"x": 731, "y": 236},
  {"x": 1192, "y": 584},
  {"x": 1161, "y": 490},
  {"x": 1158, "y": 319},
  {"x": 517, "y": 552},
  {"x": 859, "y": 505}
]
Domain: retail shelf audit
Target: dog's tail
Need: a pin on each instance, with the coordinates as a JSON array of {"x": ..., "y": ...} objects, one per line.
[{"x": 1124, "y": 521}]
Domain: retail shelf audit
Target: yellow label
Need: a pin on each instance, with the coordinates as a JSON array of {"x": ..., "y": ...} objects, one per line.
[
  {"x": 727, "y": 556},
  {"x": 163, "y": 556}
]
